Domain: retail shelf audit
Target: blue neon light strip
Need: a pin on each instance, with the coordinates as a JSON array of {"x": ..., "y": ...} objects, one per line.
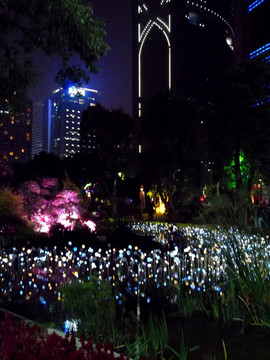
[
  {"x": 259, "y": 51},
  {"x": 255, "y": 4}
]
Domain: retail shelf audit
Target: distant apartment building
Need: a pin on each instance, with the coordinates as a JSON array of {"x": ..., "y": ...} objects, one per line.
[
  {"x": 15, "y": 137},
  {"x": 57, "y": 121}
]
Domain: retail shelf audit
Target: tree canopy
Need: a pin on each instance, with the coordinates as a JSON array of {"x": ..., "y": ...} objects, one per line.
[
  {"x": 106, "y": 141},
  {"x": 170, "y": 158},
  {"x": 61, "y": 29},
  {"x": 239, "y": 122}
]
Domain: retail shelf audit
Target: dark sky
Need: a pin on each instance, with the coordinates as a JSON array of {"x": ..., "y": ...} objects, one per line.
[{"x": 113, "y": 80}]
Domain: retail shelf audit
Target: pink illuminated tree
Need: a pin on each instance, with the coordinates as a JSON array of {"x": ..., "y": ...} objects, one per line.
[{"x": 45, "y": 207}]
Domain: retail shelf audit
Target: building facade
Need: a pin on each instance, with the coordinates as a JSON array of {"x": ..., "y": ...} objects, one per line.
[
  {"x": 41, "y": 127},
  {"x": 259, "y": 41},
  {"x": 259, "y": 35},
  {"x": 180, "y": 46},
  {"x": 57, "y": 121},
  {"x": 15, "y": 137}
]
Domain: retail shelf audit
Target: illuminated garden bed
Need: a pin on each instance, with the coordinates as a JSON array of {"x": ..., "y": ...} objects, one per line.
[{"x": 217, "y": 274}]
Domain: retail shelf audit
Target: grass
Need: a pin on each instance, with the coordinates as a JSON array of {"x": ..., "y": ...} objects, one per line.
[
  {"x": 92, "y": 305},
  {"x": 250, "y": 283}
]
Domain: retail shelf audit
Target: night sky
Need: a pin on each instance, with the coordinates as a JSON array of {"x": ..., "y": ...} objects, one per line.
[{"x": 114, "y": 80}]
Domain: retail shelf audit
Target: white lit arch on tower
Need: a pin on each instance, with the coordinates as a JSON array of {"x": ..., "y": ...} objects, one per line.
[{"x": 162, "y": 23}]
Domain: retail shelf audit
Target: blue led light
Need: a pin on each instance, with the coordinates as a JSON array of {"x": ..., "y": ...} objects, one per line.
[
  {"x": 255, "y": 4},
  {"x": 259, "y": 51}
]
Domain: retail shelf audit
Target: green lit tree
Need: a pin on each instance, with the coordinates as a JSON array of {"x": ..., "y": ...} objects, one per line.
[
  {"x": 238, "y": 129},
  {"x": 239, "y": 122},
  {"x": 60, "y": 29},
  {"x": 229, "y": 171}
]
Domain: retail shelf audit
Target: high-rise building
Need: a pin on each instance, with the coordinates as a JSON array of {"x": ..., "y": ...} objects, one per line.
[
  {"x": 259, "y": 34},
  {"x": 57, "y": 121},
  {"x": 181, "y": 46},
  {"x": 41, "y": 127},
  {"x": 15, "y": 137}
]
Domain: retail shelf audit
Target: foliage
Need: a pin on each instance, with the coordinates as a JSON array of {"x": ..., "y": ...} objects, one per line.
[
  {"x": 92, "y": 304},
  {"x": 46, "y": 206},
  {"x": 12, "y": 224},
  {"x": 229, "y": 170},
  {"x": 170, "y": 128},
  {"x": 238, "y": 121},
  {"x": 19, "y": 340},
  {"x": 110, "y": 152},
  {"x": 188, "y": 304},
  {"x": 224, "y": 210},
  {"x": 157, "y": 333},
  {"x": 61, "y": 29},
  {"x": 152, "y": 341},
  {"x": 250, "y": 284},
  {"x": 10, "y": 203}
]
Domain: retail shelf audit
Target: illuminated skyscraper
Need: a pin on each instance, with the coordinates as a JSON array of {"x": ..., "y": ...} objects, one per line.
[
  {"x": 41, "y": 126},
  {"x": 56, "y": 121},
  {"x": 259, "y": 33},
  {"x": 180, "y": 45},
  {"x": 15, "y": 137},
  {"x": 259, "y": 11}
]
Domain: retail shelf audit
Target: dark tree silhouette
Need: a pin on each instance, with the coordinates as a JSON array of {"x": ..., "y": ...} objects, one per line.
[
  {"x": 171, "y": 150},
  {"x": 61, "y": 29}
]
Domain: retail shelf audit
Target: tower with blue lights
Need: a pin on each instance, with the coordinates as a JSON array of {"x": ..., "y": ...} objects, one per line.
[
  {"x": 180, "y": 46},
  {"x": 259, "y": 11},
  {"x": 57, "y": 121}
]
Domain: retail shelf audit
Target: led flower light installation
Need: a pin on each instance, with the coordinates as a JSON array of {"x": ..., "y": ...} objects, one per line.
[{"x": 200, "y": 264}]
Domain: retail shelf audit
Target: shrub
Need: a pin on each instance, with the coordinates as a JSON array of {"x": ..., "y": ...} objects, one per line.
[
  {"x": 19, "y": 340},
  {"x": 92, "y": 304}
]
